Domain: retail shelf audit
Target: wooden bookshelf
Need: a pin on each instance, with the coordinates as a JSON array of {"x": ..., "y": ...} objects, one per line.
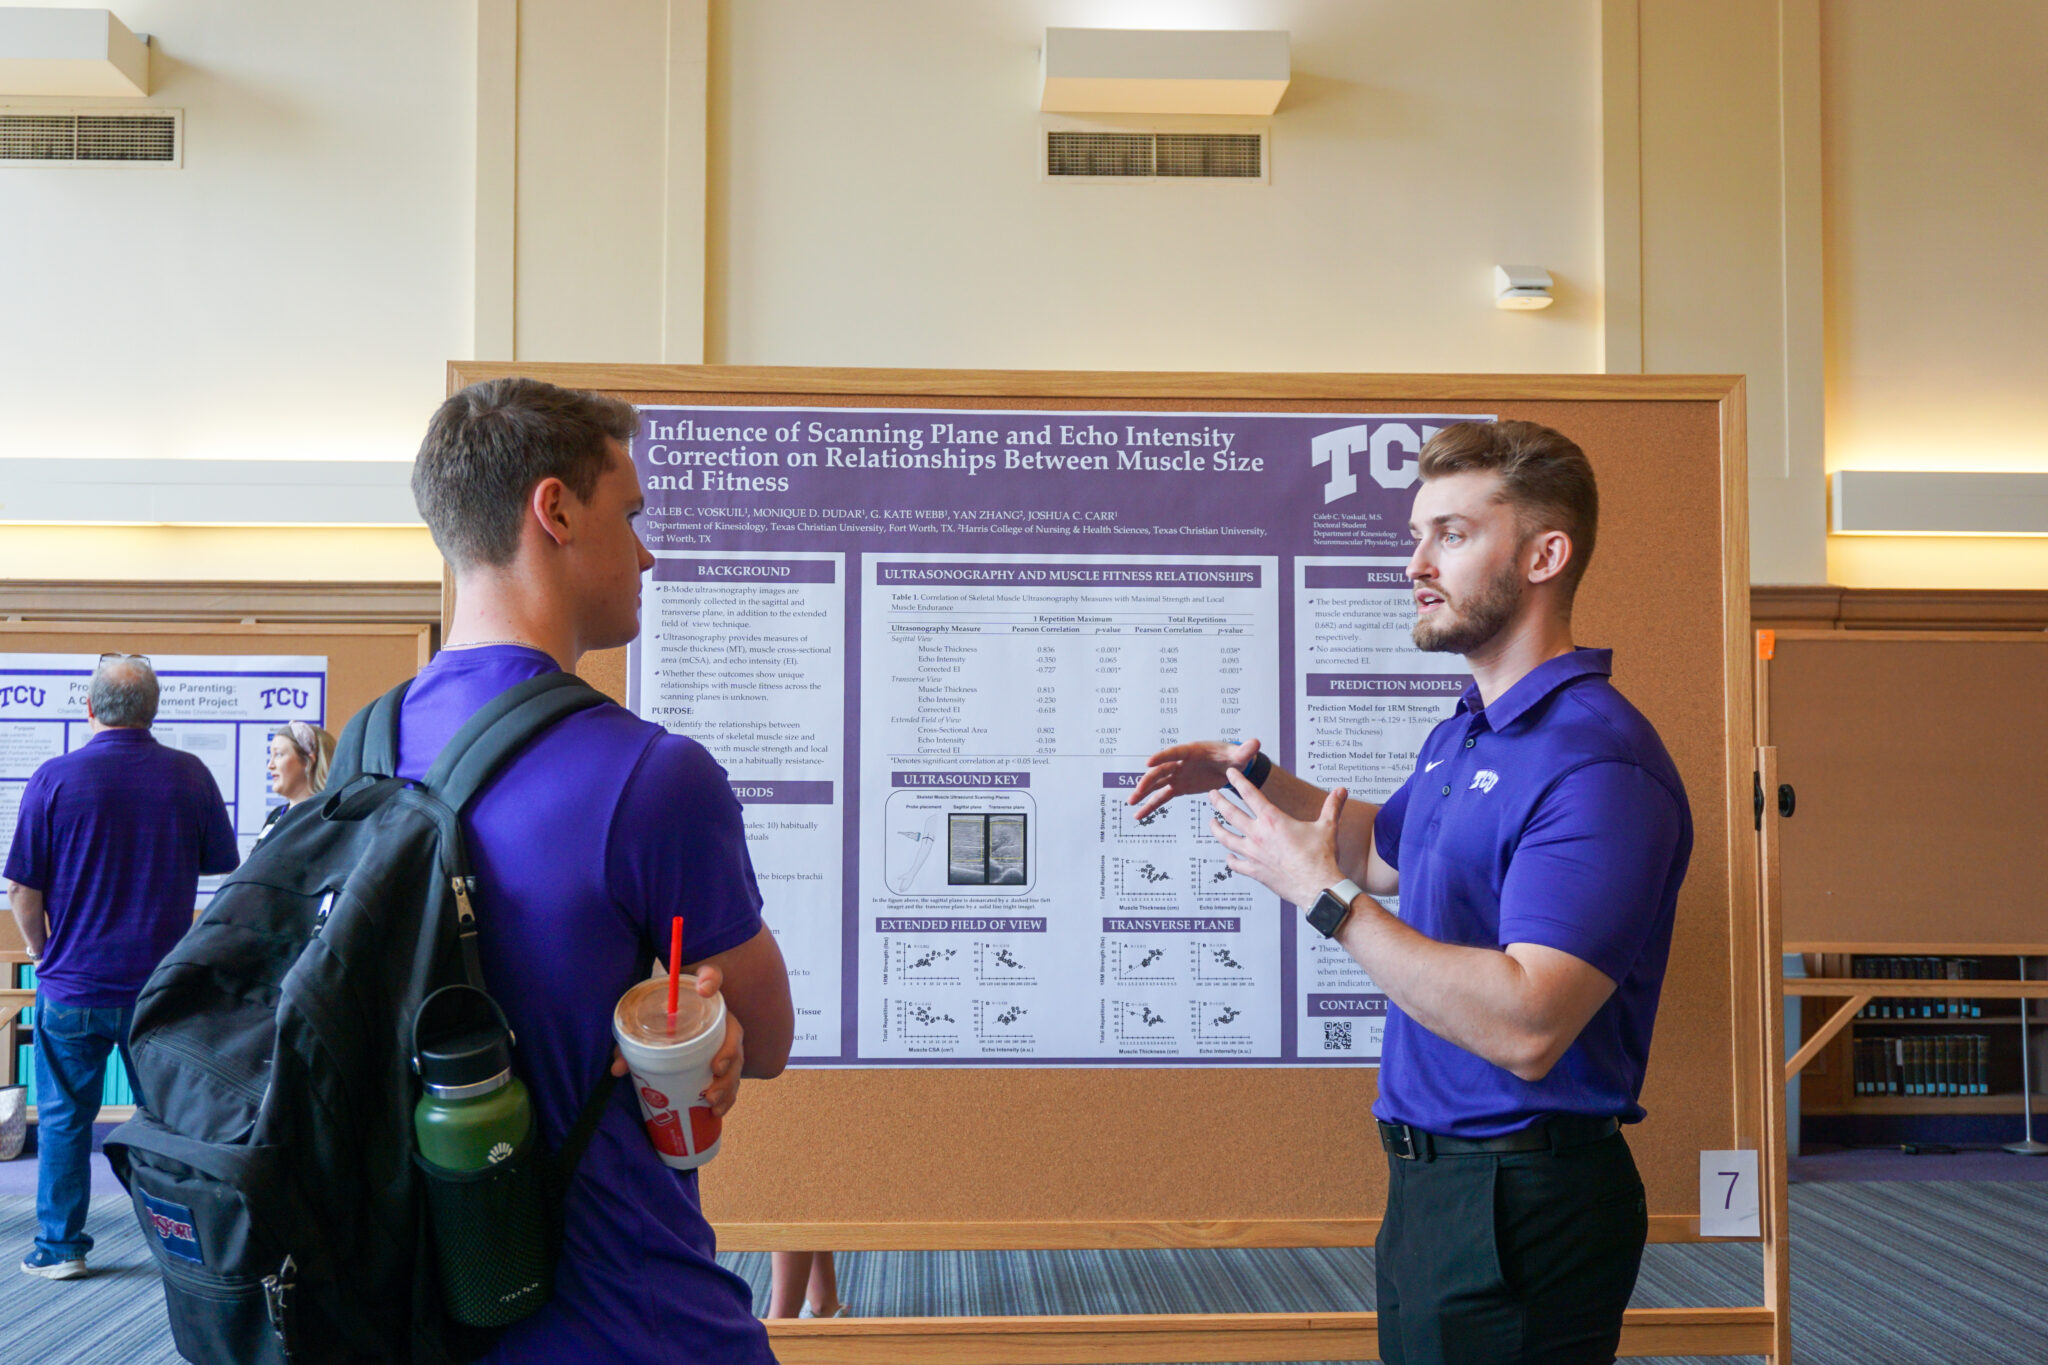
[
  {"x": 1833, "y": 1000},
  {"x": 2008, "y": 1102}
]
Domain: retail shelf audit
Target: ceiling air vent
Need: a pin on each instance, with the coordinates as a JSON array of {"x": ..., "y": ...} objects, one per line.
[
  {"x": 47, "y": 135},
  {"x": 1083, "y": 154}
]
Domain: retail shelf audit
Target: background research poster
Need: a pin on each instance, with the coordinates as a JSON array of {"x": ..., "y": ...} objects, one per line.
[{"x": 223, "y": 708}]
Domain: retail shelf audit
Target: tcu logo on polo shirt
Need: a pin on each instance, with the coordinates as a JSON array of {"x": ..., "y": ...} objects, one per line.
[
  {"x": 1483, "y": 780},
  {"x": 172, "y": 1224}
]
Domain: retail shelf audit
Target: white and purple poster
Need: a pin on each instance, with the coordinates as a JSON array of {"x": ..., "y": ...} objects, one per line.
[
  {"x": 222, "y": 708},
  {"x": 933, "y": 650}
]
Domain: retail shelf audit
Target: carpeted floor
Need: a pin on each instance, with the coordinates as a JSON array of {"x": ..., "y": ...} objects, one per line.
[{"x": 1897, "y": 1272}]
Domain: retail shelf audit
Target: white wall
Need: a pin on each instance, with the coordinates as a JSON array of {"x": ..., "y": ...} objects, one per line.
[
  {"x": 1730, "y": 240},
  {"x": 875, "y": 197},
  {"x": 368, "y": 194},
  {"x": 295, "y": 290},
  {"x": 1936, "y": 196}
]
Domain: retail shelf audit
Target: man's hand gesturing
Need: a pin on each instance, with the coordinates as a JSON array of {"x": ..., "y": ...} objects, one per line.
[
  {"x": 1294, "y": 858},
  {"x": 1187, "y": 770}
]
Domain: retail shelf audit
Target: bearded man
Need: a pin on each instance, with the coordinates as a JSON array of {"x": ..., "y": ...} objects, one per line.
[{"x": 1537, "y": 848}]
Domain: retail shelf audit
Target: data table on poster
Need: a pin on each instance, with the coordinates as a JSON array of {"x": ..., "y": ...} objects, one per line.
[
  {"x": 1019, "y": 908},
  {"x": 223, "y": 709},
  {"x": 934, "y": 651}
]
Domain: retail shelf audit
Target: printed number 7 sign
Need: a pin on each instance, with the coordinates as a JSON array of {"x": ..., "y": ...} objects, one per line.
[{"x": 1729, "y": 1203}]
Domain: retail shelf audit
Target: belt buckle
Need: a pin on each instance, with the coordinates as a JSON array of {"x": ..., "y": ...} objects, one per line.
[{"x": 1411, "y": 1142}]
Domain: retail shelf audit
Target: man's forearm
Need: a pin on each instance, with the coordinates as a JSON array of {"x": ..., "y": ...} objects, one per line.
[
  {"x": 27, "y": 904},
  {"x": 1480, "y": 999}
]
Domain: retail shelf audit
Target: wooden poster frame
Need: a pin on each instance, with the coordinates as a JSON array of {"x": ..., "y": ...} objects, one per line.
[{"x": 1755, "y": 1113}]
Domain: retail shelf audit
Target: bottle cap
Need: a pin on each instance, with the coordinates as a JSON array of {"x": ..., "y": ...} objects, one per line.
[{"x": 462, "y": 1046}]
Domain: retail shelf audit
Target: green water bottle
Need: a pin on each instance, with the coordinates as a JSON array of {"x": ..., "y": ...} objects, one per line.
[{"x": 484, "y": 1175}]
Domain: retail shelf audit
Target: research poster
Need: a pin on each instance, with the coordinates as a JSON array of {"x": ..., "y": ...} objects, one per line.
[
  {"x": 222, "y": 708},
  {"x": 934, "y": 649}
]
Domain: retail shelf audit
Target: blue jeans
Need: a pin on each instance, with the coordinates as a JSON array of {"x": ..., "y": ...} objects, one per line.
[{"x": 72, "y": 1044}]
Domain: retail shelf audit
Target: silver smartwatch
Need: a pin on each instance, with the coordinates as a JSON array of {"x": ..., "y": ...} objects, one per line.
[{"x": 1333, "y": 907}]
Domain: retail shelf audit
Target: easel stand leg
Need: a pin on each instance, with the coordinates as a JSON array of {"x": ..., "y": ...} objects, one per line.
[{"x": 2026, "y": 1146}]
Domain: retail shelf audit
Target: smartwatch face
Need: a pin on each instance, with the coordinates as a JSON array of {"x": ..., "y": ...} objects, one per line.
[{"x": 1326, "y": 914}]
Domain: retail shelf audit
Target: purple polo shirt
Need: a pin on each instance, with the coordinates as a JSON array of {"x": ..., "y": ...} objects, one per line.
[
  {"x": 116, "y": 835},
  {"x": 584, "y": 846},
  {"x": 1552, "y": 816}
]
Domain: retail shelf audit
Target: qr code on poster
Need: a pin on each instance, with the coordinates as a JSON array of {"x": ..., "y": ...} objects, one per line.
[{"x": 1336, "y": 1035}]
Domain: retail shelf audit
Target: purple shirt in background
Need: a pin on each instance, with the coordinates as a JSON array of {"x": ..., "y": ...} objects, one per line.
[
  {"x": 584, "y": 847},
  {"x": 1553, "y": 816},
  {"x": 116, "y": 835}
]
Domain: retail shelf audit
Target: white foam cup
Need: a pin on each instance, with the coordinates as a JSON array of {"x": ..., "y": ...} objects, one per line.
[{"x": 670, "y": 1070}]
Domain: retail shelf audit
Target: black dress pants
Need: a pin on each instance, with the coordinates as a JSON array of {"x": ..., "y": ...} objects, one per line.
[{"x": 1526, "y": 1258}]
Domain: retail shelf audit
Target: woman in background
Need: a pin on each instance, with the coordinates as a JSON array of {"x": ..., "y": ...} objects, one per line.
[{"x": 299, "y": 755}]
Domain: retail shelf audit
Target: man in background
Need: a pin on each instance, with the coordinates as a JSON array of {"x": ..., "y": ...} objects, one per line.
[{"x": 103, "y": 874}]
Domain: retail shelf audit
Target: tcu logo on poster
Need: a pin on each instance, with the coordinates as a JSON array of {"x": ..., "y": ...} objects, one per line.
[{"x": 1390, "y": 448}]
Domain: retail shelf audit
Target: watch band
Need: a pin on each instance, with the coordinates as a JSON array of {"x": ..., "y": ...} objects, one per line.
[
  {"x": 1333, "y": 907},
  {"x": 1259, "y": 769}
]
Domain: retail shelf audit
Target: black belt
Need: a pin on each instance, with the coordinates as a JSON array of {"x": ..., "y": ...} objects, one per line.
[{"x": 1545, "y": 1135}]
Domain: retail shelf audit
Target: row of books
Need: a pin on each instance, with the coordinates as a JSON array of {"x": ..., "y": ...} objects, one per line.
[
  {"x": 1934, "y": 1064},
  {"x": 115, "y": 1091},
  {"x": 1918, "y": 969}
]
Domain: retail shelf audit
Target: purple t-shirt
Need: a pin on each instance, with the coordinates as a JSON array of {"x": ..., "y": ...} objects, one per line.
[
  {"x": 1553, "y": 816},
  {"x": 116, "y": 835},
  {"x": 584, "y": 847}
]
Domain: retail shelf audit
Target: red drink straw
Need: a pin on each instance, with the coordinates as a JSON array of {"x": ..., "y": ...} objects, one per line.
[{"x": 675, "y": 968}]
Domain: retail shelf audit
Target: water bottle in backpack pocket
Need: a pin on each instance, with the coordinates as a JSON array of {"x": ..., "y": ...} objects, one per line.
[{"x": 486, "y": 1173}]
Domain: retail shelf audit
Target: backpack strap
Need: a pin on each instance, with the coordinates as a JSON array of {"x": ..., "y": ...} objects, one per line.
[
  {"x": 503, "y": 727},
  {"x": 579, "y": 1135},
  {"x": 369, "y": 742}
]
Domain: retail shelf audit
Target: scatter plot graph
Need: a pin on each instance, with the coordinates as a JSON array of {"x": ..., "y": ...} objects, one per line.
[
  {"x": 1003, "y": 1026},
  {"x": 1212, "y": 881},
  {"x": 1141, "y": 876},
  {"x": 925, "y": 1022},
  {"x": 1218, "y": 964},
  {"x": 1173, "y": 823},
  {"x": 1142, "y": 963},
  {"x": 1219, "y": 1026},
  {"x": 925, "y": 963},
  {"x": 1003, "y": 964},
  {"x": 1146, "y": 1026}
]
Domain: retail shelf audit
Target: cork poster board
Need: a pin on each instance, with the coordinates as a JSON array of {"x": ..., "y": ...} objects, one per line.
[{"x": 1283, "y": 1154}]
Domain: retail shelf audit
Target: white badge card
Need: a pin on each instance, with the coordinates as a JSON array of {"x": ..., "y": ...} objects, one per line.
[{"x": 1729, "y": 1201}]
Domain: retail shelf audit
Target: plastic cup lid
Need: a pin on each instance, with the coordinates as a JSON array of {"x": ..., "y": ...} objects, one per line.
[{"x": 643, "y": 1014}]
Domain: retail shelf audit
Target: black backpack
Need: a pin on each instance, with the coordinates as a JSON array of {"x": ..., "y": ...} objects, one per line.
[{"x": 271, "y": 1162}]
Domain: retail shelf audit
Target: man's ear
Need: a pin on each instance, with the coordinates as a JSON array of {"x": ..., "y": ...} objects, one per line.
[
  {"x": 547, "y": 505},
  {"x": 1548, "y": 552}
]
